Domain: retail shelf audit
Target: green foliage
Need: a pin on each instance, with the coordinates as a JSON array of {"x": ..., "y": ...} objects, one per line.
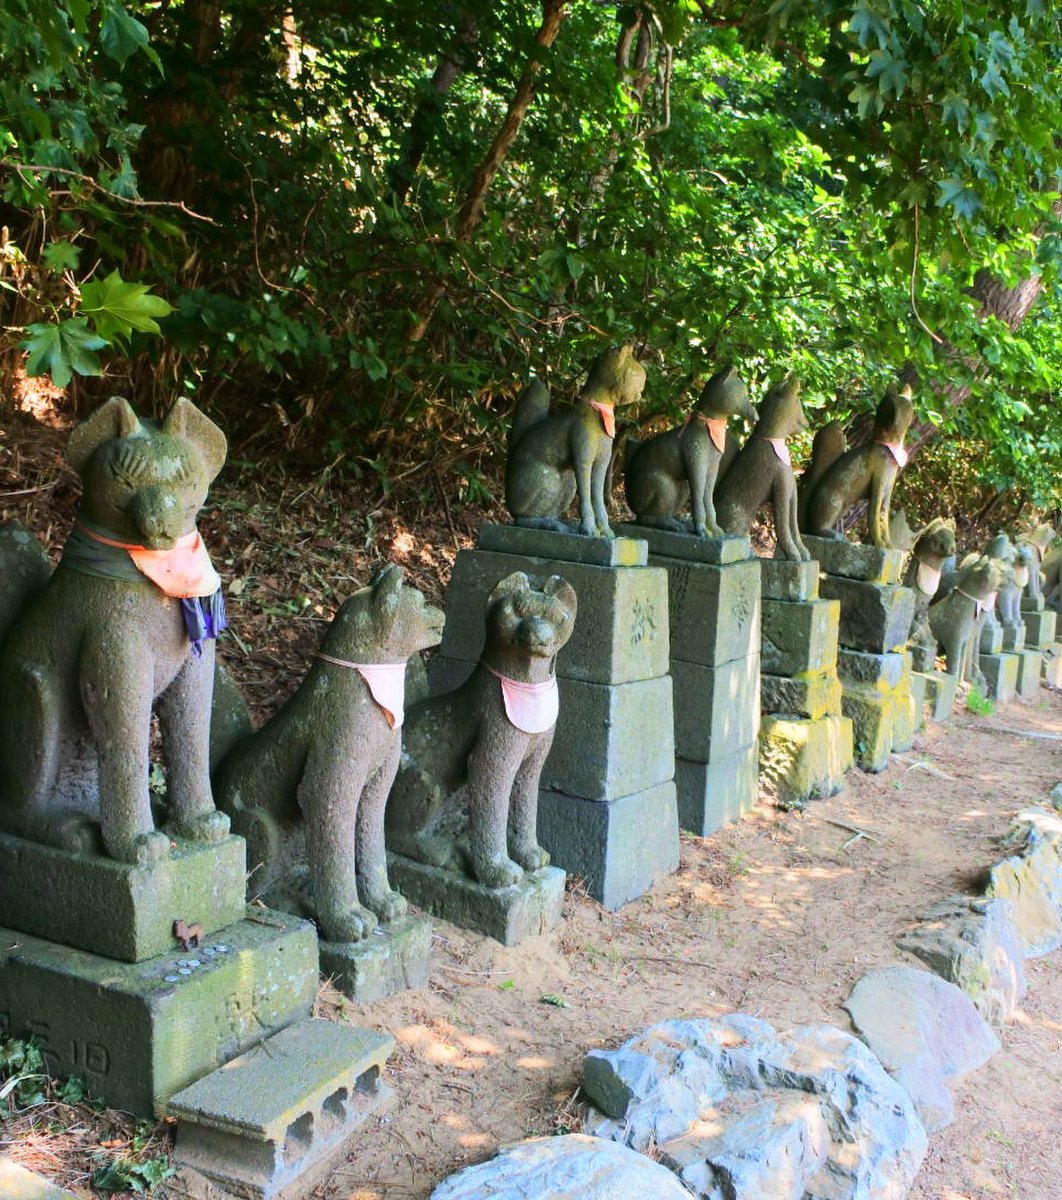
[
  {"x": 781, "y": 183},
  {"x": 132, "y": 1175},
  {"x": 978, "y": 703}
]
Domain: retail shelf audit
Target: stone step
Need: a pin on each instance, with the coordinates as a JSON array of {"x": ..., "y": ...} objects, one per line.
[
  {"x": 273, "y": 1121},
  {"x": 117, "y": 909}
]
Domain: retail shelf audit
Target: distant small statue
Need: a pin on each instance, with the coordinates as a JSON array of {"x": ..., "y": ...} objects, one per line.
[
  {"x": 330, "y": 755},
  {"x": 555, "y": 457},
  {"x": 863, "y": 473},
  {"x": 763, "y": 471},
  {"x": 686, "y": 461},
  {"x": 827, "y": 446},
  {"x": 125, "y": 621},
  {"x": 466, "y": 794},
  {"x": 953, "y": 619},
  {"x": 1013, "y": 578},
  {"x": 1033, "y": 545},
  {"x": 932, "y": 546}
]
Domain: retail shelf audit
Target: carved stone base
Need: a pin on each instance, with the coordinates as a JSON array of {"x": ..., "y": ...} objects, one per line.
[
  {"x": 1001, "y": 674},
  {"x": 391, "y": 959},
  {"x": 713, "y": 551},
  {"x": 509, "y": 915},
  {"x": 618, "y": 848},
  {"x": 782, "y": 580},
  {"x": 874, "y": 617},
  {"x": 881, "y": 723},
  {"x": 138, "y": 1032},
  {"x": 711, "y": 795},
  {"x": 115, "y": 909},
  {"x": 1039, "y": 627},
  {"x": 802, "y": 759},
  {"x": 272, "y": 1122},
  {"x": 799, "y": 636},
  {"x": 1029, "y": 668},
  {"x": 918, "y": 702},
  {"x": 940, "y": 694},
  {"x": 1013, "y": 638}
]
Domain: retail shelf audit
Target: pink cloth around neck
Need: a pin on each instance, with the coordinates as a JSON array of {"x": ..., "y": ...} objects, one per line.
[
  {"x": 928, "y": 579},
  {"x": 716, "y": 427},
  {"x": 183, "y": 572},
  {"x": 780, "y": 449},
  {"x": 988, "y": 603},
  {"x": 530, "y": 707},
  {"x": 607, "y": 414},
  {"x": 1021, "y": 576},
  {"x": 897, "y": 451},
  {"x": 386, "y": 683}
]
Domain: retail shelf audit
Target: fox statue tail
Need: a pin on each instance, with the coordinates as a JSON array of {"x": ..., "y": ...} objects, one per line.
[
  {"x": 531, "y": 406},
  {"x": 828, "y": 446}
]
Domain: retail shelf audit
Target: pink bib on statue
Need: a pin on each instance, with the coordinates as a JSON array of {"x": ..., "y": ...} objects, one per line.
[
  {"x": 780, "y": 449},
  {"x": 530, "y": 707},
  {"x": 987, "y": 604},
  {"x": 386, "y": 683},
  {"x": 607, "y": 415},
  {"x": 183, "y": 572},
  {"x": 897, "y": 451},
  {"x": 1021, "y": 576},
  {"x": 716, "y": 427},
  {"x": 928, "y": 579}
]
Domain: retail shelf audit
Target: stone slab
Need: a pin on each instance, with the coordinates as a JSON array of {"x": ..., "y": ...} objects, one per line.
[
  {"x": 563, "y": 547},
  {"x": 618, "y": 848},
  {"x": 115, "y": 909},
  {"x": 1032, "y": 882},
  {"x": 717, "y": 709},
  {"x": 853, "y": 560},
  {"x": 874, "y": 617},
  {"x": 393, "y": 958},
  {"x": 941, "y": 690},
  {"x": 784, "y": 580},
  {"x": 139, "y": 1032},
  {"x": 810, "y": 694},
  {"x": 1039, "y": 628},
  {"x": 879, "y": 670},
  {"x": 1052, "y": 665},
  {"x": 621, "y": 631},
  {"x": 1013, "y": 638},
  {"x": 713, "y": 612},
  {"x": 798, "y": 636},
  {"x": 715, "y": 551},
  {"x": 1030, "y": 666},
  {"x": 509, "y": 915},
  {"x": 16, "y": 1183},
  {"x": 1001, "y": 675},
  {"x": 269, "y": 1123},
  {"x": 882, "y": 721},
  {"x": 711, "y": 795},
  {"x": 802, "y": 760}
]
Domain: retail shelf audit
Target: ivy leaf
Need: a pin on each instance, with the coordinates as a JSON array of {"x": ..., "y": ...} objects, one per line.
[
  {"x": 60, "y": 350},
  {"x": 963, "y": 199},
  {"x": 117, "y": 307},
  {"x": 121, "y": 36},
  {"x": 61, "y": 256}
]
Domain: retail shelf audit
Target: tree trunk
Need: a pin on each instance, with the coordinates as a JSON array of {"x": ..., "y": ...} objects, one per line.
[{"x": 553, "y": 14}]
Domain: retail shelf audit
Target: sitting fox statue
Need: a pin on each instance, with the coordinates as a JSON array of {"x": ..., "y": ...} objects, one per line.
[
  {"x": 686, "y": 462},
  {"x": 556, "y": 457},
  {"x": 327, "y": 760},
  {"x": 124, "y": 623}
]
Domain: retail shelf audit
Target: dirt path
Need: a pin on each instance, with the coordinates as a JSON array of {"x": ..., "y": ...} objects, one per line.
[{"x": 776, "y": 916}]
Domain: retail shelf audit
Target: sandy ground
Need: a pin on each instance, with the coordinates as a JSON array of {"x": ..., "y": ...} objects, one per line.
[{"x": 776, "y": 916}]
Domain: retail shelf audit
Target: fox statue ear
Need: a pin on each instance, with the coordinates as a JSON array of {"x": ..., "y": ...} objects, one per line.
[
  {"x": 560, "y": 589},
  {"x": 516, "y": 582},
  {"x": 386, "y": 590},
  {"x": 185, "y": 421},
  {"x": 114, "y": 419}
]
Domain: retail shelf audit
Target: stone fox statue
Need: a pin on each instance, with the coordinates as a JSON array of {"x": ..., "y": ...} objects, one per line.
[
  {"x": 863, "y": 473},
  {"x": 664, "y": 470},
  {"x": 933, "y": 545},
  {"x": 330, "y": 755},
  {"x": 125, "y": 622},
  {"x": 762, "y": 471},
  {"x": 953, "y": 619},
  {"x": 466, "y": 794},
  {"x": 556, "y": 457}
]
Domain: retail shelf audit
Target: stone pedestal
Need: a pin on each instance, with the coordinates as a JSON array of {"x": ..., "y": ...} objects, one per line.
[
  {"x": 612, "y": 765},
  {"x": 1013, "y": 638},
  {"x": 875, "y": 623},
  {"x": 1052, "y": 665},
  {"x": 805, "y": 740},
  {"x": 123, "y": 1006},
  {"x": 391, "y": 959},
  {"x": 714, "y": 620},
  {"x": 1030, "y": 665},
  {"x": 1001, "y": 675},
  {"x": 1039, "y": 626},
  {"x": 940, "y": 692}
]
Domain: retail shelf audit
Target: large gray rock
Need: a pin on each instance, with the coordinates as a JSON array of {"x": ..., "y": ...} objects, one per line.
[
  {"x": 924, "y": 1030},
  {"x": 742, "y": 1112},
  {"x": 973, "y": 943},
  {"x": 574, "y": 1167},
  {"x": 1032, "y": 879}
]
